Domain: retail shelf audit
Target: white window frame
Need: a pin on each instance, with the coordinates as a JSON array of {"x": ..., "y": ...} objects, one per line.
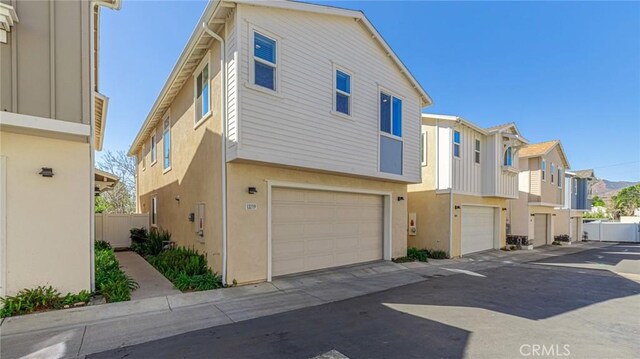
[
  {"x": 154, "y": 147},
  {"x": 167, "y": 117},
  {"x": 424, "y": 150},
  {"x": 543, "y": 169},
  {"x": 154, "y": 211},
  {"x": 552, "y": 170},
  {"x": 477, "y": 148},
  {"x": 560, "y": 177},
  {"x": 206, "y": 61},
  {"x": 334, "y": 109},
  {"x": 401, "y": 98},
  {"x": 252, "y": 58},
  {"x": 143, "y": 156},
  {"x": 459, "y": 144}
]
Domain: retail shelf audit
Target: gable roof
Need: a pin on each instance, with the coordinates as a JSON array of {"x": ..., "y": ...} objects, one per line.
[
  {"x": 485, "y": 131},
  {"x": 542, "y": 149},
  {"x": 214, "y": 14},
  {"x": 588, "y": 174}
]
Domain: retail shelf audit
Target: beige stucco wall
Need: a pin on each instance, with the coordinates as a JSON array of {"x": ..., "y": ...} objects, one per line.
[
  {"x": 195, "y": 174},
  {"x": 462, "y": 200},
  {"x": 432, "y": 220},
  {"x": 428, "y": 171},
  {"x": 247, "y": 229},
  {"x": 48, "y": 219},
  {"x": 563, "y": 223}
]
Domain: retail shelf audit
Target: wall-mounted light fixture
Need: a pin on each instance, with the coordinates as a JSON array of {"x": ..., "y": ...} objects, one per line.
[
  {"x": 177, "y": 198},
  {"x": 252, "y": 190},
  {"x": 456, "y": 207},
  {"x": 46, "y": 172},
  {"x": 504, "y": 209},
  {"x": 400, "y": 198}
]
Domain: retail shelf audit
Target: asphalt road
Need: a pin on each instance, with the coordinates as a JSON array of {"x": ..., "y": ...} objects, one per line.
[{"x": 551, "y": 308}]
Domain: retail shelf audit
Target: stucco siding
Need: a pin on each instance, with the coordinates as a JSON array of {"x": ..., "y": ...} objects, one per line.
[
  {"x": 296, "y": 126},
  {"x": 47, "y": 219},
  {"x": 45, "y": 64},
  {"x": 432, "y": 220}
]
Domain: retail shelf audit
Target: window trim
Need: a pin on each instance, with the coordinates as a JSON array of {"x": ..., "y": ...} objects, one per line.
[
  {"x": 424, "y": 135},
  {"x": 459, "y": 144},
  {"x": 334, "y": 110},
  {"x": 206, "y": 61},
  {"x": 252, "y": 58},
  {"x": 508, "y": 149},
  {"x": 153, "y": 149},
  {"x": 477, "y": 151},
  {"x": 143, "y": 156},
  {"x": 165, "y": 118},
  {"x": 154, "y": 211},
  {"x": 543, "y": 169},
  {"x": 560, "y": 177},
  {"x": 553, "y": 169}
]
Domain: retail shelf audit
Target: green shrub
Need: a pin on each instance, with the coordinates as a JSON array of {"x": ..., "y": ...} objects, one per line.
[
  {"x": 39, "y": 299},
  {"x": 562, "y": 238},
  {"x": 138, "y": 237},
  {"x": 111, "y": 281},
  {"x": 151, "y": 243},
  {"x": 186, "y": 269},
  {"x": 404, "y": 259},
  {"x": 418, "y": 254},
  {"x": 100, "y": 245},
  {"x": 438, "y": 254}
]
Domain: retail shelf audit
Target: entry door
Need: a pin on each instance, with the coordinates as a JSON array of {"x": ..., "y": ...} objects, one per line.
[{"x": 540, "y": 230}]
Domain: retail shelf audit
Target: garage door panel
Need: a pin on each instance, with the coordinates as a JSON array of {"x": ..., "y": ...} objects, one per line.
[
  {"x": 477, "y": 229},
  {"x": 314, "y": 229},
  {"x": 540, "y": 227}
]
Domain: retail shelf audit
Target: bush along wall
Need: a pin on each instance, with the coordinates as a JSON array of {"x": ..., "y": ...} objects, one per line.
[
  {"x": 186, "y": 268},
  {"x": 40, "y": 299},
  {"x": 111, "y": 281},
  {"x": 562, "y": 238}
]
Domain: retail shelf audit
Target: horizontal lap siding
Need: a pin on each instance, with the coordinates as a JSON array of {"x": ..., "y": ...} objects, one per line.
[
  {"x": 232, "y": 86},
  {"x": 297, "y": 128}
]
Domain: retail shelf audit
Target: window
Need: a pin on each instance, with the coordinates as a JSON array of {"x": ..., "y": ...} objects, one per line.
[
  {"x": 543, "y": 167},
  {"x": 553, "y": 170},
  {"x": 508, "y": 157},
  {"x": 264, "y": 61},
  {"x": 456, "y": 144},
  {"x": 390, "y": 114},
  {"x": 153, "y": 148},
  {"x": 166, "y": 143},
  {"x": 143, "y": 156},
  {"x": 423, "y": 149},
  {"x": 343, "y": 92},
  {"x": 477, "y": 152},
  {"x": 202, "y": 97},
  {"x": 154, "y": 211},
  {"x": 559, "y": 177}
]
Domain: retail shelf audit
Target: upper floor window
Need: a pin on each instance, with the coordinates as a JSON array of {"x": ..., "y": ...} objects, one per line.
[
  {"x": 508, "y": 157},
  {"x": 456, "y": 144},
  {"x": 390, "y": 114},
  {"x": 559, "y": 177},
  {"x": 202, "y": 97},
  {"x": 166, "y": 143},
  {"x": 423, "y": 148},
  {"x": 553, "y": 170},
  {"x": 153, "y": 148},
  {"x": 143, "y": 156},
  {"x": 343, "y": 92},
  {"x": 264, "y": 61},
  {"x": 543, "y": 168},
  {"x": 476, "y": 152}
]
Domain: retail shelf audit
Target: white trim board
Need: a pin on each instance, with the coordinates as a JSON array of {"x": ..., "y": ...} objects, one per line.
[
  {"x": 387, "y": 235},
  {"x": 3, "y": 225},
  {"x": 35, "y": 123}
]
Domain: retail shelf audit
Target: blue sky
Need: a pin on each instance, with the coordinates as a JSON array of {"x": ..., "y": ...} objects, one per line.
[{"x": 560, "y": 70}]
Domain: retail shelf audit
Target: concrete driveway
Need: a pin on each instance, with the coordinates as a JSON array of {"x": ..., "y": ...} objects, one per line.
[{"x": 580, "y": 305}]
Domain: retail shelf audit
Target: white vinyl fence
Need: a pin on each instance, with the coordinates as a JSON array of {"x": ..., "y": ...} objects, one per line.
[
  {"x": 114, "y": 228},
  {"x": 612, "y": 231}
]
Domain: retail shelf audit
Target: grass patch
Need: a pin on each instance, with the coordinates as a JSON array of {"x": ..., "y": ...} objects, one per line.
[
  {"x": 437, "y": 254},
  {"x": 111, "y": 281},
  {"x": 40, "y": 299},
  {"x": 186, "y": 269}
]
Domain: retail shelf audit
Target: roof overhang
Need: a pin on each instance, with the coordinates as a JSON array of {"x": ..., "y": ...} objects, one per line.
[
  {"x": 104, "y": 181},
  {"x": 101, "y": 103},
  {"x": 457, "y": 119},
  {"x": 214, "y": 15},
  {"x": 8, "y": 18},
  {"x": 563, "y": 156}
]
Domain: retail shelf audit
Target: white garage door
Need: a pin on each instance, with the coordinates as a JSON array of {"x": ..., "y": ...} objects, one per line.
[
  {"x": 320, "y": 229},
  {"x": 540, "y": 230},
  {"x": 478, "y": 229}
]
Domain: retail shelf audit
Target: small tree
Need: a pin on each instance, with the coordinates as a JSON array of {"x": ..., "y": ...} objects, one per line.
[
  {"x": 597, "y": 202},
  {"x": 122, "y": 197},
  {"x": 626, "y": 201}
]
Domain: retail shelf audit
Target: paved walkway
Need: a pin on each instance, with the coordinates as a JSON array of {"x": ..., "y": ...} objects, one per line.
[
  {"x": 80, "y": 331},
  {"x": 152, "y": 283}
]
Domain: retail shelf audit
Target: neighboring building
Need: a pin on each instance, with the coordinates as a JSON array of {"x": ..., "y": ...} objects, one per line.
[
  {"x": 294, "y": 158},
  {"x": 542, "y": 184},
  {"x": 51, "y": 121},
  {"x": 468, "y": 175},
  {"x": 575, "y": 203}
]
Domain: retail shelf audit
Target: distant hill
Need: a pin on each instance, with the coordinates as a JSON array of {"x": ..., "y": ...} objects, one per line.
[{"x": 606, "y": 189}]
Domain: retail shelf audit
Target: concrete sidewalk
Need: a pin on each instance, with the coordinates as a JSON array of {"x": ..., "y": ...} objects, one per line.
[
  {"x": 152, "y": 283},
  {"x": 81, "y": 331}
]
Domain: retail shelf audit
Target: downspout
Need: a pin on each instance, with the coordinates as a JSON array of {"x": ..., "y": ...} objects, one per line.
[{"x": 223, "y": 101}]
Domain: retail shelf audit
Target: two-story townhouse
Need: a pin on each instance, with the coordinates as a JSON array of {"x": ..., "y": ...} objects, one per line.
[
  {"x": 468, "y": 175},
  {"x": 294, "y": 157},
  {"x": 52, "y": 119},
  {"x": 541, "y": 185},
  {"x": 575, "y": 202}
]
